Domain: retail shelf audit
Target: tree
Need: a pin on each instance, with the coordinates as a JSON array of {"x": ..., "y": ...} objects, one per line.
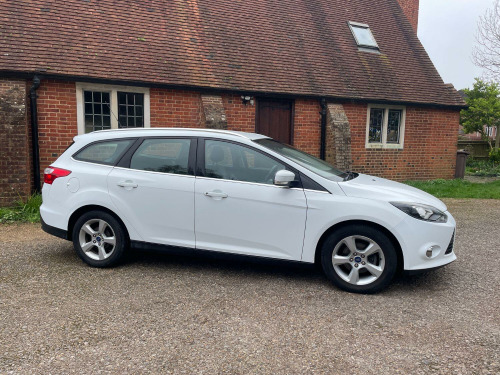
[
  {"x": 483, "y": 102},
  {"x": 486, "y": 53}
]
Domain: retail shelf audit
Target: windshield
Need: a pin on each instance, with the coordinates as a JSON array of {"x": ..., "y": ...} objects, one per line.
[{"x": 310, "y": 162}]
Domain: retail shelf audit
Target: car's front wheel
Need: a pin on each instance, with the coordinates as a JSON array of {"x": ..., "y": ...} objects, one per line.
[
  {"x": 99, "y": 239},
  {"x": 359, "y": 259}
]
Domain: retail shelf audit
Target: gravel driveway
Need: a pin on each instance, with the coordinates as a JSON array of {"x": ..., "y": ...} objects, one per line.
[{"x": 169, "y": 314}]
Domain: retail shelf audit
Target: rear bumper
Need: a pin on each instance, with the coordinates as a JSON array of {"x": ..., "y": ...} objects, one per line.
[{"x": 61, "y": 233}]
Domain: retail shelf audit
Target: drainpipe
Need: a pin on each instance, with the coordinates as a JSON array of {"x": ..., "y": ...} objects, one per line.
[
  {"x": 34, "y": 135},
  {"x": 323, "y": 129}
]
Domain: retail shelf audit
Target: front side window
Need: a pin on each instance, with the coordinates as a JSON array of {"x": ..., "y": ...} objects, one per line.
[
  {"x": 162, "y": 155},
  {"x": 385, "y": 127},
  {"x": 102, "y": 107},
  {"x": 310, "y": 162},
  {"x": 107, "y": 152},
  {"x": 229, "y": 161}
]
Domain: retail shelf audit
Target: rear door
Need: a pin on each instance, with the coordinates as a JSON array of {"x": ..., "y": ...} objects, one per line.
[
  {"x": 239, "y": 209},
  {"x": 153, "y": 187}
]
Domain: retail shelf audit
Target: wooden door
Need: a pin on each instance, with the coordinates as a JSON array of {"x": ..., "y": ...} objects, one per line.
[{"x": 274, "y": 119}]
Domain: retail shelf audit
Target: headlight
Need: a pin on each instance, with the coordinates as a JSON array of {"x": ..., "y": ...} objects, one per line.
[{"x": 422, "y": 212}]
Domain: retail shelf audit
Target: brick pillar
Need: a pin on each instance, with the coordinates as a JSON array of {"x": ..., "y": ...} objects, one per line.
[
  {"x": 15, "y": 174},
  {"x": 213, "y": 110},
  {"x": 338, "y": 137}
]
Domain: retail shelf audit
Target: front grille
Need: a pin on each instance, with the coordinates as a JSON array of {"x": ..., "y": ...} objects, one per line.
[{"x": 450, "y": 246}]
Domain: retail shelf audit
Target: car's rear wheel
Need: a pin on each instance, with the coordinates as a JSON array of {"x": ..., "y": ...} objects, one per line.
[
  {"x": 359, "y": 259},
  {"x": 99, "y": 239}
]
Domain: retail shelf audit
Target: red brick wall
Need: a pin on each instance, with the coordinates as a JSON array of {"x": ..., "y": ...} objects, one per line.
[
  {"x": 240, "y": 117},
  {"x": 56, "y": 119},
  {"x": 429, "y": 148},
  {"x": 430, "y": 145},
  {"x": 410, "y": 8},
  {"x": 175, "y": 108},
  {"x": 15, "y": 172},
  {"x": 307, "y": 126}
]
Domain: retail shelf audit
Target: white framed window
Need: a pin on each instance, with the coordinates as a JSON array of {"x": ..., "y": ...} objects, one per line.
[
  {"x": 363, "y": 35},
  {"x": 385, "y": 126},
  {"x": 101, "y": 107}
]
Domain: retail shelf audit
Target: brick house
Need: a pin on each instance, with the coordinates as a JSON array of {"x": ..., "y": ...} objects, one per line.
[{"x": 346, "y": 81}]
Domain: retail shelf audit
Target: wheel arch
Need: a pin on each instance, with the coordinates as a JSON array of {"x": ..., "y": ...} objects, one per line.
[
  {"x": 92, "y": 207},
  {"x": 343, "y": 224}
]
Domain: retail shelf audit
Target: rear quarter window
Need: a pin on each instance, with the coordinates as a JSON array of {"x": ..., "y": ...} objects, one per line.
[{"x": 105, "y": 152}]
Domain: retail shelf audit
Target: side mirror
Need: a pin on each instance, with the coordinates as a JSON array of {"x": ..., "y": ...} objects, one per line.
[{"x": 284, "y": 178}]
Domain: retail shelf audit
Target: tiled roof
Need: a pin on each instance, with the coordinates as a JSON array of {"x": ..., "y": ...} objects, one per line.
[{"x": 299, "y": 47}]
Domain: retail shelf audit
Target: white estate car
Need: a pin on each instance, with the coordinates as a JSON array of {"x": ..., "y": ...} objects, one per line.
[{"x": 239, "y": 193}]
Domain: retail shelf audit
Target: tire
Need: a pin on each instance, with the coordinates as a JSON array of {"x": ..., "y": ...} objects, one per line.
[
  {"x": 365, "y": 259},
  {"x": 99, "y": 239}
]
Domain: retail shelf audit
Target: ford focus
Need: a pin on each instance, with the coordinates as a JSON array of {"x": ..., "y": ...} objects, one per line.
[{"x": 239, "y": 193}]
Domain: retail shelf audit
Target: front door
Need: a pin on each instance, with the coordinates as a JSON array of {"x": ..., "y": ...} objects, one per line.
[
  {"x": 274, "y": 119},
  {"x": 239, "y": 209}
]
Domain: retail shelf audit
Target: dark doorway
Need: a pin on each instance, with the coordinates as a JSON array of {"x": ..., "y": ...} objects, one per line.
[{"x": 274, "y": 119}]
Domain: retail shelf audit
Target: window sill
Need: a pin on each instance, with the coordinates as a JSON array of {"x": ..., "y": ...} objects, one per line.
[{"x": 380, "y": 146}]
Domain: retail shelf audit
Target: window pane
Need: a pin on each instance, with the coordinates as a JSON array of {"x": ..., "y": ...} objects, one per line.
[
  {"x": 106, "y": 122},
  {"x": 88, "y": 96},
  {"x": 375, "y": 129},
  {"x": 162, "y": 155},
  {"x": 122, "y": 122},
  {"x": 130, "y": 106},
  {"x": 230, "y": 161},
  {"x": 89, "y": 123},
  {"x": 104, "y": 152},
  {"x": 364, "y": 36},
  {"x": 96, "y": 111},
  {"x": 393, "y": 126}
]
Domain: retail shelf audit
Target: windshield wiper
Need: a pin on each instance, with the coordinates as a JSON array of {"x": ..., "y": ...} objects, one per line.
[{"x": 350, "y": 175}]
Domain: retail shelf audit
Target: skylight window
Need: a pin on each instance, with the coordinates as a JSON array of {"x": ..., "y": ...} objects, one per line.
[{"x": 363, "y": 35}]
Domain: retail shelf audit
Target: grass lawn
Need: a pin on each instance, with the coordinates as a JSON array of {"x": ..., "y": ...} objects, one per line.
[{"x": 459, "y": 188}]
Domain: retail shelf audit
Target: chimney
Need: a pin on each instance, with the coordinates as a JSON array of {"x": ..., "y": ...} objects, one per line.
[{"x": 410, "y": 9}]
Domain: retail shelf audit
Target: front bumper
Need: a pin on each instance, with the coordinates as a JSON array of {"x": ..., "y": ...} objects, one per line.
[{"x": 426, "y": 245}]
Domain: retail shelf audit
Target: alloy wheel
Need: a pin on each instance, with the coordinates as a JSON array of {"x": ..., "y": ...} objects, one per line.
[
  {"x": 97, "y": 239},
  {"x": 358, "y": 260}
]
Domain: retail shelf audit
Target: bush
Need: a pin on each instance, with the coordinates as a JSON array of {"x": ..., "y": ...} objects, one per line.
[
  {"x": 483, "y": 168},
  {"x": 24, "y": 210},
  {"x": 495, "y": 155}
]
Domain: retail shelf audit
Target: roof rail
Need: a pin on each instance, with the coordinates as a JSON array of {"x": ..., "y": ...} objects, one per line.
[{"x": 237, "y": 133}]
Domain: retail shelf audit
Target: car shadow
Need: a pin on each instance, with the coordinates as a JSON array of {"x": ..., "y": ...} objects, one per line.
[
  {"x": 212, "y": 261},
  {"x": 255, "y": 267}
]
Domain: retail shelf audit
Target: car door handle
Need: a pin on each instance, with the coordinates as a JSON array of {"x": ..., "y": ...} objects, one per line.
[
  {"x": 216, "y": 194},
  {"x": 127, "y": 184}
]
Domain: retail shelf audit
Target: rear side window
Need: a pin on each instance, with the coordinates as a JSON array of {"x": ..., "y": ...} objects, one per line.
[
  {"x": 162, "y": 155},
  {"x": 107, "y": 152}
]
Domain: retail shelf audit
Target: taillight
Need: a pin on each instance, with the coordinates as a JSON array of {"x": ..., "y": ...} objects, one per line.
[{"x": 51, "y": 173}]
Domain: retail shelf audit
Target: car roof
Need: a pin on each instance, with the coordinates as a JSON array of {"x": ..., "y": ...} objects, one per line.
[{"x": 155, "y": 132}]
